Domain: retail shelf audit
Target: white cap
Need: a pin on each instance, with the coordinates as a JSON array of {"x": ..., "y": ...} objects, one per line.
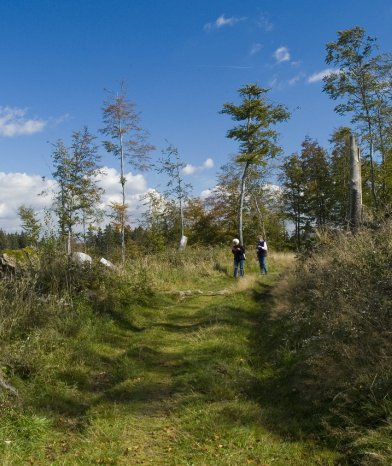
[{"x": 236, "y": 241}]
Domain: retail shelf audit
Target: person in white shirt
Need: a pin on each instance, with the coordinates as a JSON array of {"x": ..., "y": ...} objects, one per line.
[{"x": 261, "y": 250}]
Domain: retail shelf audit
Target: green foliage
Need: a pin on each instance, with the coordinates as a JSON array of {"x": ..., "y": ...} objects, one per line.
[
  {"x": 340, "y": 176},
  {"x": 255, "y": 134},
  {"x": 127, "y": 141},
  {"x": 293, "y": 181},
  {"x": 177, "y": 190},
  {"x": 336, "y": 306},
  {"x": 12, "y": 240},
  {"x": 362, "y": 81},
  {"x": 256, "y": 116},
  {"x": 75, "y": 170},
  {"x": 316, "y": 187},
  {"x": 94, "y": 353},
  {"x": 30, "y": 224}
]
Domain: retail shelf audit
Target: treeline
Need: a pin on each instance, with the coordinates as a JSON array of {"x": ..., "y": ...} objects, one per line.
[{"x": 13, "y": 240}]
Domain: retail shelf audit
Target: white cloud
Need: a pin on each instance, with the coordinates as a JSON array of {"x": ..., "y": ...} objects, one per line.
[
  {"x": 13, "y": 122},
  {"x": 135, "y": 189},
  {"x": 58, "y": 120},
  {"x": 272, "y": 189},
  {"x": 109, "y": 180},
  {"x": 295, "y": 79},
  {"x": 255, "y": 49},
  {"x": 17, "y": 189},
  {"x": 208, "y": 163},
  {"x": 206, "y": 193},
  {"x": 282, "y": 54},
  {"x": 296, "y": 63},
  {"x": 315, "y": 77},
  {"x": 265, "y": 23},
  {"x": 280, "y": 84},
  {"x": 222, "y": 21},
  {"x": 21, "y": 188},
  {"x": 191, "y": 169}
]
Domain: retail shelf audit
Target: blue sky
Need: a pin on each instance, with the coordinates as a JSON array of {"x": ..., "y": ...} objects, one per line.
[{"x": 181, "y": 61}]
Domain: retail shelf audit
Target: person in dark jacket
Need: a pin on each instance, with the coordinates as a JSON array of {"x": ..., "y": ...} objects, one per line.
[
  {"x": 239, "y": 257},
  {"x": 261, "y": 251}
]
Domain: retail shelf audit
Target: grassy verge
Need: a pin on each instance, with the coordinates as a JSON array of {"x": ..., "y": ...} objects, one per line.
[
  {"x": 334, "y": 324},
  {"x": 131, "y": 375}
]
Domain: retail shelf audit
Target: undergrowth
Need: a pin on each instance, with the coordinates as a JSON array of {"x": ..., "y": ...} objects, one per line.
[
  {"x": 112, "y": 367},
  {"x": 334, "y": 323}
]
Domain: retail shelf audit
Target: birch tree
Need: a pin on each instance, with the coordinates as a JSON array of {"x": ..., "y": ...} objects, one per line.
[
  {"x": 75, "y": 170},
  {"x": 127, "y": 141},
  {"x": 356, "y": 82},
  {"x": 355, "y": 185},
  {"x": 171, "y": 164},
  {"x": 31, "y": 226}
]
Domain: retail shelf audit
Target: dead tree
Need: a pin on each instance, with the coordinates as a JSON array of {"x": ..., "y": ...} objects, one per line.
[{"x": 355, "y": 186}]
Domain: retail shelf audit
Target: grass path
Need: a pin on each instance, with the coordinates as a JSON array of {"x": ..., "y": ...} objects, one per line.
[{"x": 180, "y": 383}]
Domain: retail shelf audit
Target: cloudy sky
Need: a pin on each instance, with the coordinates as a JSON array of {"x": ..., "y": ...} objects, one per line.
[{"x": 181, "y": 61}]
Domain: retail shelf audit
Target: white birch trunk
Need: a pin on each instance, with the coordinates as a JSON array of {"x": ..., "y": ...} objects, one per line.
[
  {"x": 355, "y": 186},
  {"x": 241, "y": 206}
]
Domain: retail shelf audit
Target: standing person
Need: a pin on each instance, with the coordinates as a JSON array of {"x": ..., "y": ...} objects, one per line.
[
  {"x": 261, "y": 250},
  {"x": 239, "y": 257}
]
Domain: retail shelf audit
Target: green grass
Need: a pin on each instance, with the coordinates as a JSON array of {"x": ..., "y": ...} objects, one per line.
[{"x": 165, "y": 382}]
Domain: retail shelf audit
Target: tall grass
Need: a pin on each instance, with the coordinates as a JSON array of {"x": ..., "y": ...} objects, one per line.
[
  {"x": 195, "y": 267},
  {"x": 61, "y": 330},
  {"x": 337, "y": 310}
]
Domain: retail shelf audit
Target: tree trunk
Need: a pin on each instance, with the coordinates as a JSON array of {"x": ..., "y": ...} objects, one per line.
[
  {"x": 261, "y": 218},
  {"x": 355, "y": 186},
  {"x": 69, "y": 242},
  {"x": 122, "y": 180},
  {"x": 241, "y": 206}
]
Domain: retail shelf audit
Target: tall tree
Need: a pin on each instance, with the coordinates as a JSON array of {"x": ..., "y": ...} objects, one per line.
[
  {"x": 30, "y": 224},
  {"x": 340, "y": 176},
  {"x": 76, "y": 170},
  {"x": 86, "y": 160},
  {"x": 256, "y": 116},
  {"x": 294, "y": 185},
  {"x": 171, "y": 165},
  {"x": 224, "y": 199},
  {"x": 156, "y": 220},
  {"x": 317, "y": 188},
  {"x": 356, "y": 81},
  {"x": 382, "y": 115},
  {"x": 127, "y": 140},
  {"x": 262, "y": 207},
  {"x": 355, "y": 185}
]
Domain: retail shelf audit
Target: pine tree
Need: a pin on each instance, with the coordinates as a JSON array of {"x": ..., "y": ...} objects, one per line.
[{"x": 294, "y": 185}]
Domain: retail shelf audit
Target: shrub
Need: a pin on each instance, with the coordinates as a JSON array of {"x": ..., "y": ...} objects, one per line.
[{"x": 339, "y": 303}]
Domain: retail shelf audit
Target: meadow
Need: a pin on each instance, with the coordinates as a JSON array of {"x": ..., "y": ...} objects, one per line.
[{"x": 169, "y": 361}]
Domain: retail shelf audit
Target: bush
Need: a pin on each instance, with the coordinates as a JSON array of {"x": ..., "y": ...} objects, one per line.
[{"x": 339, "y": 303}]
